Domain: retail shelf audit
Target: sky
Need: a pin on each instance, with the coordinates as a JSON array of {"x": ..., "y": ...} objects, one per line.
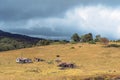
[{"x": 59, "y": 19}]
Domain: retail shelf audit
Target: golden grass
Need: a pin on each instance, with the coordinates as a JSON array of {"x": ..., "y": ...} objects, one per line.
[{"x": 91, "y": 59}]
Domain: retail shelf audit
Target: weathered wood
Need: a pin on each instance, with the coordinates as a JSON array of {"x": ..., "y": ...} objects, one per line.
[
  {"x": 38, "y": 60},
  {"x": 23, "y": 60},
  {"x": 66, "y": 65}
]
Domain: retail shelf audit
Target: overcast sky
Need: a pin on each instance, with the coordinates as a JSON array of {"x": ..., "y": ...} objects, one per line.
[{"x": 59, "y": 19}]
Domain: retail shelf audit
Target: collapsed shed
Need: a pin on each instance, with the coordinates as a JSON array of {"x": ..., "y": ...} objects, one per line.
[{"x": 23, "y": 60}]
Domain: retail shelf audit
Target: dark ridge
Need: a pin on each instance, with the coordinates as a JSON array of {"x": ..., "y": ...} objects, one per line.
[{"x": 19, "y": 37}]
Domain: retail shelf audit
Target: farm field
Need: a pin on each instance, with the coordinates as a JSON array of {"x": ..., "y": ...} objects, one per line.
[{"x": 90, "y": 59}]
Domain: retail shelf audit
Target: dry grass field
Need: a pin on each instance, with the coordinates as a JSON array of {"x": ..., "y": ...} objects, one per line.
[{"x": 90, "y": 59}]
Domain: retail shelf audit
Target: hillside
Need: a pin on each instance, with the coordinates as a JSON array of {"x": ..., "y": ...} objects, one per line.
[
  {"x": 91, "y": 60},
  {"x": 10, "y": 41},
  {"x": 19, "y": 37}
]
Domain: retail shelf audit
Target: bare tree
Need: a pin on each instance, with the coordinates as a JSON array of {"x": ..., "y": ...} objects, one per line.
[{"x": 105, "y": 41}]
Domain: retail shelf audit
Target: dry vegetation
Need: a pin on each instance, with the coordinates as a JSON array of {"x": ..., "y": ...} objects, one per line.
[{"x": 91, "y": 60}]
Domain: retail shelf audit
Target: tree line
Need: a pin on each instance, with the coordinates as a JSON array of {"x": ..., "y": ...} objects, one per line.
[
  {"x": 7, "y": 43},
  {"x": 89, "y": 38}
]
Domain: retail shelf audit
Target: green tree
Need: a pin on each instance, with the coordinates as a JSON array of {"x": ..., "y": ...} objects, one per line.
[
  {"x": 97, "y": 39},
  {"x": 87, "y": 37},
  {"x": 75, "y": 37}
]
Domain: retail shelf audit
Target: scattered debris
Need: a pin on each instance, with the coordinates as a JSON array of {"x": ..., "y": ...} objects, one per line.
[
  {"x": 38, "y": 59},
  {"x": 23, "y": 60},
  {"x": 66, "y": 65}
]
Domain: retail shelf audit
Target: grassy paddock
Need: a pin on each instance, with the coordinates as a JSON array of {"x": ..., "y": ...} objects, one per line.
[{"x": 91, "y": 60}]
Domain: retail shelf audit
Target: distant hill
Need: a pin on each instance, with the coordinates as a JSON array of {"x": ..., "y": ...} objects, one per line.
[
  {"x": 19, "y": 37},
  {"x": 10, "y": 41}
]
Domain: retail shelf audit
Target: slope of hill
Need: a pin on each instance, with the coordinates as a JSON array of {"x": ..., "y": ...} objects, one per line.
[
  {"x": 19, "y": 37},
  {"x": 9, "y": 41},
  {"x": 91, "y": 60}
]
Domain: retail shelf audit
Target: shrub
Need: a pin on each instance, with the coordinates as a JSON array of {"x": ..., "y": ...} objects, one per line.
[
  {"x": 72, "y": 48},
  {"x": 113, "y": 45},
  {"x": 92, "y": 42},
  {"x": 43, "y": 42},
  {"x": 73, "y": 42}
]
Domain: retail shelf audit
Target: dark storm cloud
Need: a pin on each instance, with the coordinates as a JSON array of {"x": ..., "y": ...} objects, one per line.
[
  {"x": 46, "y": 31},
  {"x": 60, "y": 18},
  {"x": 27, "y": 9}
]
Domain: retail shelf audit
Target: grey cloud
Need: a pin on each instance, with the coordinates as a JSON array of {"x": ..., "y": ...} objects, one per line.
[
  {"x": 26, "y": 9},
  {"x": 14, "y": 15},
  {"x": 11, "y": 10},
  {"x": 45, "y": 31}
]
